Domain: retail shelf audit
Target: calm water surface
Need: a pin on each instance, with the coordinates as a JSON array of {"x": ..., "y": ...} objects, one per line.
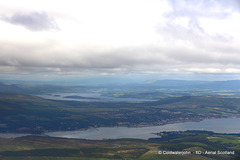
[
  {"x": 225, "y": 125},
  {"x": 12, "y": 135},
  {"x": 90, "y": 97}
]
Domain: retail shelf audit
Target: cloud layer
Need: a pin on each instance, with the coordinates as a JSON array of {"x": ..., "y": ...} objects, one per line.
[
  {"x": 34, "y": 21},
  {"x": 172, "y": 36}
]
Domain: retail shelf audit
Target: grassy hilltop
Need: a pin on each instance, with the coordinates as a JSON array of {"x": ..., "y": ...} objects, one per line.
[{"x": 47, "y": 148}]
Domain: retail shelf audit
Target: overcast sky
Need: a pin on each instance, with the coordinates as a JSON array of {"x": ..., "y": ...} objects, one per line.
[{"x": 117, "y": 37}]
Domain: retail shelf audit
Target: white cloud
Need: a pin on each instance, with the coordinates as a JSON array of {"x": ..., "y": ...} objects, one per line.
[
  {"x": 35, "y": 21},
  {"x": 120, "y": 36}
]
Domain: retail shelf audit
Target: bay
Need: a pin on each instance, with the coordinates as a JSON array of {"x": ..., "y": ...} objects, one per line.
[
  {"x": 224, "y": 125},
  {"x": 89, "y": 97}
]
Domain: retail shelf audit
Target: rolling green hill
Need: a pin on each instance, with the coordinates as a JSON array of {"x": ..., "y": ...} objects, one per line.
[
  {"x": 190, "y": 142},
  {"x": 30, "y": 114}
]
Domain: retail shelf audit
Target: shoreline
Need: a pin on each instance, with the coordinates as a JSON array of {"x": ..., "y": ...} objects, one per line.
[{"x": 16, "y": 135}]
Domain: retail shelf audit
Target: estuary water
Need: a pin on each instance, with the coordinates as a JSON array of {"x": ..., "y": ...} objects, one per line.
[
  {"x": 12, "y": 135},
  {"x": 89, "y": 97},
  {"x": 224, "y": 125}
]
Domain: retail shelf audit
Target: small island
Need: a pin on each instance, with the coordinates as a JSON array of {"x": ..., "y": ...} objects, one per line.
[{"x": 79, "y": 97}]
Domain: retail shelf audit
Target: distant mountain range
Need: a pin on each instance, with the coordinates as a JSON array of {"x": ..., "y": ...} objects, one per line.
[
  {"x": 184, "y": 84},
  {"x": 30, "y": 89},
  {"x": 155, "y": 84}
]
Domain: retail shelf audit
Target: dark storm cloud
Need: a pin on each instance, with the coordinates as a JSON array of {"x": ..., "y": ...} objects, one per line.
[{"x": 34, "y": 21}]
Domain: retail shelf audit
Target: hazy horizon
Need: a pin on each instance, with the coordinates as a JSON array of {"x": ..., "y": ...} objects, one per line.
[{"x": 112, "y": 80}]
